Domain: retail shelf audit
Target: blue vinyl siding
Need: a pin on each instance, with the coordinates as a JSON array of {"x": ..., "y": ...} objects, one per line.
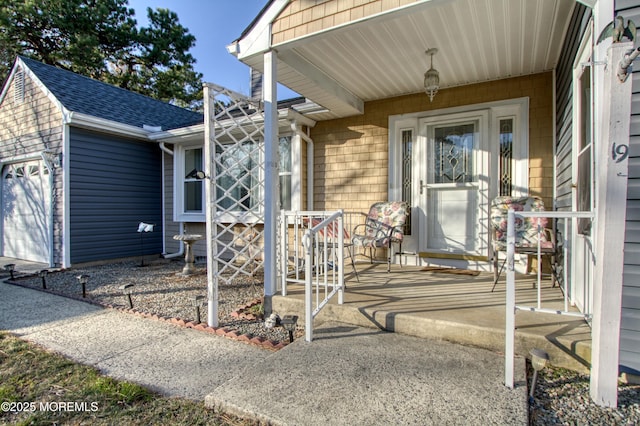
[
  {"x": 564, "y": 105},
  {"x": 564, "y": 113},
  {"x": 115, "y": 183},
  {"x": 630, "y": 318}
]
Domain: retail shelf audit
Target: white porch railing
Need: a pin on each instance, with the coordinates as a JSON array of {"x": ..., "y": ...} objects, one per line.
[
  {"x": 569, "y": 285},
  {"x": 312, "y": 253},
  {"x": 292, "y": 226}
]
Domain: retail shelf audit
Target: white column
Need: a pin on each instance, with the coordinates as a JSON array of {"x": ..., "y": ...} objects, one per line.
[
  {"x": 612, "y": 150},
  {"x": 210, "y": 202},
  {"x": 510, "y": 303},
  {"x": 271, "y": 195}
]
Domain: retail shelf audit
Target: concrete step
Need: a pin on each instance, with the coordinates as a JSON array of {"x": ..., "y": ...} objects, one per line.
[{"x": 567, "y": 343}]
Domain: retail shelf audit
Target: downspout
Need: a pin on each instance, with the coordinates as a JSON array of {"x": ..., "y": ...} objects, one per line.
[
  {"x": 165, "y": 149},
  {"x": 309, "y": 141},
  {"x": 180, "y": 251},
  {"x": 310, "y": 166}
]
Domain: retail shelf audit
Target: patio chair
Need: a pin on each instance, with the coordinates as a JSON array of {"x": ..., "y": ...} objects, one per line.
[
  {"x": 529, "y": 231},
  {"x": 383, "y": 226}
]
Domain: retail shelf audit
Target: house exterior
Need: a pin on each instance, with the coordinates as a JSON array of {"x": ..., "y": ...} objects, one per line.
[
  {"x": 79, "y": 171},
  {"x": 524, "y": 106},
  {"x": 523, "y": 103}
]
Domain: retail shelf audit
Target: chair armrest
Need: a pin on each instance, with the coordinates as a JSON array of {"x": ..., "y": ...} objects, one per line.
[
  {"x": 378, "y": 230},
  {"x": 362, "y": 226}
]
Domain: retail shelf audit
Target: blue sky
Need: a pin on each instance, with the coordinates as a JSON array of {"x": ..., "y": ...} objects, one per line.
[{"x": 215, "y": 24}]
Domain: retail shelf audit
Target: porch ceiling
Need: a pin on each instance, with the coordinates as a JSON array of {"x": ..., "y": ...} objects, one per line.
[{"x": 384, "y": 56}]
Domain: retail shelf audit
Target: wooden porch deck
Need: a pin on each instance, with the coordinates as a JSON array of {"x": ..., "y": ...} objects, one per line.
[{"x": 458, "y": 308}]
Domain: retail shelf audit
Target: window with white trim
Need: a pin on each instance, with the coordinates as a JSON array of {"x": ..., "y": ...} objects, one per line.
[
  {"x": 407, "y": 173},
  {"x": 505, "y": 156},
  {"x": 193, "y": 187},
  {"x": 189, "y": 192},
  {"x": 234, "y": 189}
]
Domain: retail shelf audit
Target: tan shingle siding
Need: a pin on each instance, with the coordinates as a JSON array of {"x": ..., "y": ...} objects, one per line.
[
  {"x": 304, "y": 17},
  {"x": 24, "y": 121}
]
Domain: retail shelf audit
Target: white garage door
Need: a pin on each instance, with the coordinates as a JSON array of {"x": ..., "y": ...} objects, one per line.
[{"x": 25, "y": 210}]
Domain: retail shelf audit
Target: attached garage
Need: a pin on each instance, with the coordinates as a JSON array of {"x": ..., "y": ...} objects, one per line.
[
  {"x": 78, "y": 169},
  {"x": 26, "y": 201}
]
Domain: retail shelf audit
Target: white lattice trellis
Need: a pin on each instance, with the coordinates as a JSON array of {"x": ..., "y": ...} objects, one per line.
[{"x": 234, "y": 158}]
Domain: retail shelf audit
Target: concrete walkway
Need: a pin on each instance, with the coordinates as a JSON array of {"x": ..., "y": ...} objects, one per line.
[{"x": 348, "y": 375}]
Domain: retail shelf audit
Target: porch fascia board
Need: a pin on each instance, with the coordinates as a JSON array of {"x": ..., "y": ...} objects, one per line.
[
  {"x": 293, "y": 115},
  {"x": 257, "y": 40},
  {"x": 350, "y": 102},
  {"x": 181, "y": 134},
  {"x": 196, "y": 132},
  {"x": 95, "y": 123}
]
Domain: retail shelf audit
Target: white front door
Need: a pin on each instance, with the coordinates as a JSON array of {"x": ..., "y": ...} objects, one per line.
[
  {"x": 448, "y": 165},
  {"x": 453, "y": 184}
]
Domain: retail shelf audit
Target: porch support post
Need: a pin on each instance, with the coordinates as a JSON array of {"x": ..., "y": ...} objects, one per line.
[
  {"x": 210, "y": 213},
  {"x": 612, "y": 151},
  {"x": 271, "y": 191},
  {"x": 510, "y": 303}
]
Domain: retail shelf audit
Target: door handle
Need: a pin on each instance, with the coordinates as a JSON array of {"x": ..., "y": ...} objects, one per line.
[{"x": 422, "y": 186}]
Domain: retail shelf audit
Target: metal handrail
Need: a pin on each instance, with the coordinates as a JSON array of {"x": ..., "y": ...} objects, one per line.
[
  {"x": 293, "y": 224},
  {"x": 320, "y": 246},
  {"x": 511, "y": 307}
]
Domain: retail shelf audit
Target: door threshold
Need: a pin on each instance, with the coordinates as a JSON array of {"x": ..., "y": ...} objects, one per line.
[{"x": 454, "y": 256}]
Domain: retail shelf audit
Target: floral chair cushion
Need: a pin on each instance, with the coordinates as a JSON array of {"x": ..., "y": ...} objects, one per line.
[
  {"x": 384, "y": 225},
  {"x": 526, "y": 228}
]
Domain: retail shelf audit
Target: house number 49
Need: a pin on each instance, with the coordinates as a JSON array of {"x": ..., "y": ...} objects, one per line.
[{"x": 619, "y": 153}]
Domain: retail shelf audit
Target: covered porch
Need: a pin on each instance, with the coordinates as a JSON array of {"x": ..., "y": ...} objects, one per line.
[
  {"x": 453, "y": 305},
  {"x": 509, "y": 75}
]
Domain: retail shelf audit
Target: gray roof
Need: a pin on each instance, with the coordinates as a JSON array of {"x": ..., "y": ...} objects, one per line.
[{"x": 91, "y": 97}]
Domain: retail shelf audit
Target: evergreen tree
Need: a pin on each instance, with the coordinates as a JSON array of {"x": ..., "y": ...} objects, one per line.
[{"x": 100, "y": 39}]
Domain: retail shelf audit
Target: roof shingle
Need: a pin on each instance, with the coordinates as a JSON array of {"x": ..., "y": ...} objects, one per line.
[{"x": 92, "y": 97}]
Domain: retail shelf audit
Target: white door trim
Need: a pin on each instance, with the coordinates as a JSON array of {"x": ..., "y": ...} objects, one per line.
[{"x": 518, "y": 108}]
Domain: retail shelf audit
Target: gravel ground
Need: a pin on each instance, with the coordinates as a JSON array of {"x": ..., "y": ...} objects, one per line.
[
  {"x": 160, "y": 289},
  {"x": 561, "y": 396}
]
